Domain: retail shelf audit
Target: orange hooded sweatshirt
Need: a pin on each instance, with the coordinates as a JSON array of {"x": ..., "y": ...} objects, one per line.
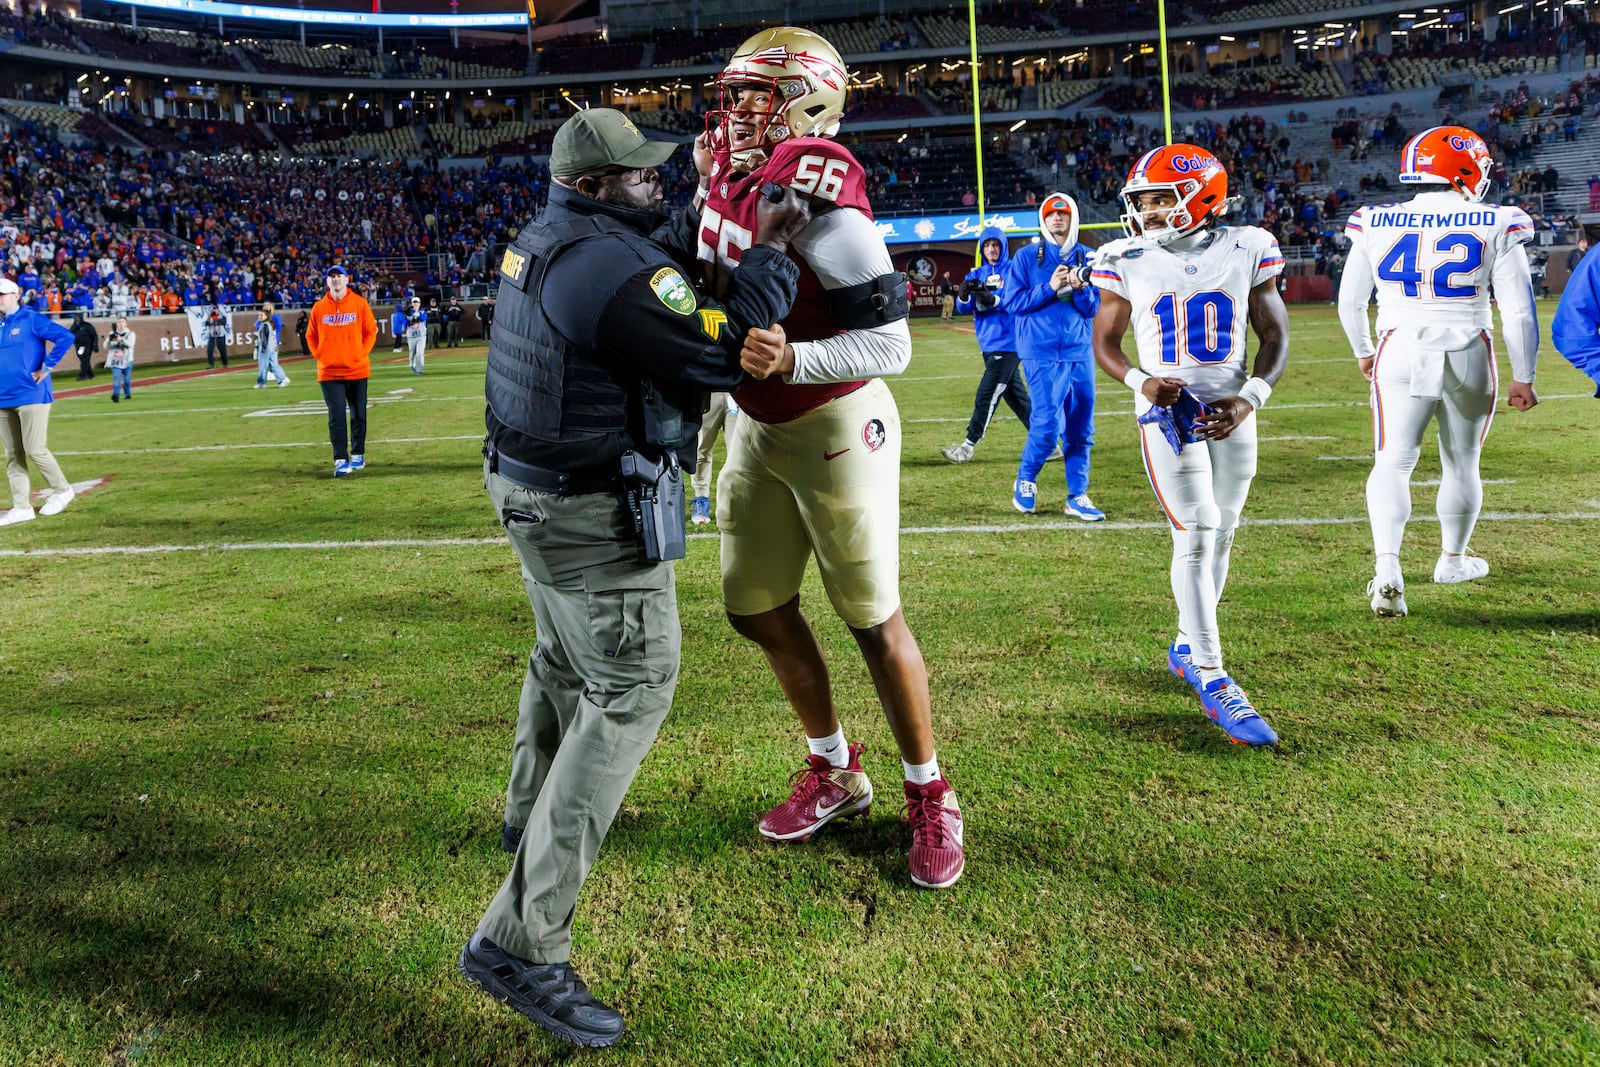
[{"x": 340, "y": 337}]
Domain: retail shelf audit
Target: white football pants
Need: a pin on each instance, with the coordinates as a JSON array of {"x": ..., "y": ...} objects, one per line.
[
  {"x": 1202, "y": 492},
  {"x": 1463, "y": 382}
]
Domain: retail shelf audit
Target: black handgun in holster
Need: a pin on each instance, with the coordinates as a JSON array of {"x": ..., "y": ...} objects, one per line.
[{"x": 655, "y": 497}]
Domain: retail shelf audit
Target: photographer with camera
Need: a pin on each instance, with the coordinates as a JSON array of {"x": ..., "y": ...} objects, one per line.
[
  {"x": 603, "y": 350},
  {"x": 979, "y": 296}
]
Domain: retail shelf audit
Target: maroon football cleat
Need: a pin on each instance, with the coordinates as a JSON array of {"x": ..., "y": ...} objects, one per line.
[
  {"x": 937, "y": 857},
  {"x": 822, "y": 793}
]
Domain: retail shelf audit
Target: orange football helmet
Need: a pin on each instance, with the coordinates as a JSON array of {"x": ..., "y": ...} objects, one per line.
[
  {"x": 805, "y": 78},
  {"x": 1448, "y": 155},
  {"x": 1191, "y": 174}
]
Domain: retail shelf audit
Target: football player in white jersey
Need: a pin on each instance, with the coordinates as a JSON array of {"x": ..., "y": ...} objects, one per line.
[
  {"x": 1433, "y": 261},
  {"x": 1189, "y": 286}
]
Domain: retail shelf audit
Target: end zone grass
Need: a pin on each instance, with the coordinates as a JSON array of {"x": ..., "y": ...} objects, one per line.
[{"x": 250, "y": 796}]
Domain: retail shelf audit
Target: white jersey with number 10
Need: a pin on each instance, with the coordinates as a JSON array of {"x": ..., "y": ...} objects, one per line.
[{"x": 1191, "y": 308}]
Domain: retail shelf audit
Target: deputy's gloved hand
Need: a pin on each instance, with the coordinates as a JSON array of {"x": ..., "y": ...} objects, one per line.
[
  {"x": 1176, "y": 423},
  {"x": 781, "y": 214}
]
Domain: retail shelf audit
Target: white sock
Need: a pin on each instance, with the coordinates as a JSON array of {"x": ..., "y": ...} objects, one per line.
[
  {"x": 831, "y": 748},
  {"x": 921, "y": 773},
  {"x": 1211, "y": 674}
]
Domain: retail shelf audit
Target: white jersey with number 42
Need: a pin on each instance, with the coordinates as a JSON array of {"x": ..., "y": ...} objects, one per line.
[
  {"x": 1191, "y": 308},
  {"x": 1433, "y": 258}
]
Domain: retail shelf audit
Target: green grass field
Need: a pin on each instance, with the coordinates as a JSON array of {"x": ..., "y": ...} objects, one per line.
[{"x": 256, "y": 726}]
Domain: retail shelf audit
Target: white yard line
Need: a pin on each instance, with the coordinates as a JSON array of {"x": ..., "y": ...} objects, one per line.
[
  {"x": 282, "y": 444},
  {"x": 1045, "y": 525}
]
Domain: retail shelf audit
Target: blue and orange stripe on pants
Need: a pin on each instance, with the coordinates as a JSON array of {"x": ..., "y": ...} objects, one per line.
[
  {"x": 1150, "y": 472},
  {"x": 1377, "y": 393}
]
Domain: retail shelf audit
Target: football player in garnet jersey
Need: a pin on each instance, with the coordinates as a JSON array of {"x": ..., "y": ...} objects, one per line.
[
  {"x": 1433, "y": 260},
  {"x": 1189, "y": 286},
  {"x": 814, "y": 470}
]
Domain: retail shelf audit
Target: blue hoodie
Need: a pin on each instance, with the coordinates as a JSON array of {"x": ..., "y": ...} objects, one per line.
[
  {"x": 1576, "y": 326},
  {"x": 1050, "y": 327},
  {"x": 994, "y": 326}
]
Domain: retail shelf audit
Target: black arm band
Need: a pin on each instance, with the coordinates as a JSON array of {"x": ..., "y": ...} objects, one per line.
[{"x": 860, "y": 307}]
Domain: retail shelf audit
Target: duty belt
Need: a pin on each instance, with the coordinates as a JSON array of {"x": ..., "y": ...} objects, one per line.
[{"x": 542, "y": 480}]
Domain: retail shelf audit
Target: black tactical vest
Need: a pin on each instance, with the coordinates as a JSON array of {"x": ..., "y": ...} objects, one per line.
[{"x": 539, "y": 384}]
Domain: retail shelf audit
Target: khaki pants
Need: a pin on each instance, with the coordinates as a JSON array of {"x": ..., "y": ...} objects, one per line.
[
  {"x": 710, "y": 426},
  {"x": 599, "y": 683},
  {"x": 24, "y": 430},
  {"x": 947, "y": 306}
]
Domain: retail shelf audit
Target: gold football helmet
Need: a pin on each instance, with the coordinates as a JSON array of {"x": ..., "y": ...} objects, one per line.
[{"x": 805, "y": 78}]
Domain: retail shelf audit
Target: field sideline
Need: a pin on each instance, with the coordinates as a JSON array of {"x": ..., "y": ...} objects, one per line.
[{"x": 257, "y": 724}]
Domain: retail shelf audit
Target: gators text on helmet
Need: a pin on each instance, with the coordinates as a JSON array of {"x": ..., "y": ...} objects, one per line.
[
  {"x": 1192, "y": 175},
  {"x": 1448, "y": 155}
]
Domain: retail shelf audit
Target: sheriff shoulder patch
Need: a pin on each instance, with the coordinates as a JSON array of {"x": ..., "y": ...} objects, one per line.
[
  {"x": 513, "y": 265},
  {"x": 673, "y": 291}
]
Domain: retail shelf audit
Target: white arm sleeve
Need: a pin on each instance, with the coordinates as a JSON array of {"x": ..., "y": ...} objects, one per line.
[
  {"x": 1355, "y": 294},
  {"x": 1519, "y": 320},
  {"x": 843, "y": 248}
]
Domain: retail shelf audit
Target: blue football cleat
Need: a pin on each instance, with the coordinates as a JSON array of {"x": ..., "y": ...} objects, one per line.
[
  {"x": 1226, "y": 705},
  {"x": 1179, "y": 663}
]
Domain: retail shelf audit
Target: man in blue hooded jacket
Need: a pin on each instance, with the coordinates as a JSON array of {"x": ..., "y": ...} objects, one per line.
[
  {"x": 25, "y": 398},
  {"x": 1576, "y": 326},
  {"x": 979, "y": 296},
  {"x": 1053, "y": 306}
]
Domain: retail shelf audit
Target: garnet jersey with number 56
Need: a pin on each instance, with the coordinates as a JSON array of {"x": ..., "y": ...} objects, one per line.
[
  {"x": 821, "y": 169},
  {"x": 817, "y": 168}
]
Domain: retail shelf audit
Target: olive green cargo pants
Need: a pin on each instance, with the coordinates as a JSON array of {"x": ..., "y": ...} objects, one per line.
[{"x": 599, "y": 683}]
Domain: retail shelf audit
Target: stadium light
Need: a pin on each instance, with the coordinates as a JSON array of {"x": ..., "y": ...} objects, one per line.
[
  {"x": 1513, "y": 7},
  {"x": 1225, "y": 37}
]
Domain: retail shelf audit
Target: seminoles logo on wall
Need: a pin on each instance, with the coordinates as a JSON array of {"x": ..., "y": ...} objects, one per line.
[{"x": 873, "y": 435}]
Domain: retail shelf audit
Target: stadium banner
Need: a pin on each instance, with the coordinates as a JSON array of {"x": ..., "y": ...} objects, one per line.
[
  {"x": 911, "y": 229},
  {"x": 176, "y": 337},
  {"x": 924, "y": 268},
  {"x": 311, "y": 16},
  {"x": 197, "y": 324}
]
